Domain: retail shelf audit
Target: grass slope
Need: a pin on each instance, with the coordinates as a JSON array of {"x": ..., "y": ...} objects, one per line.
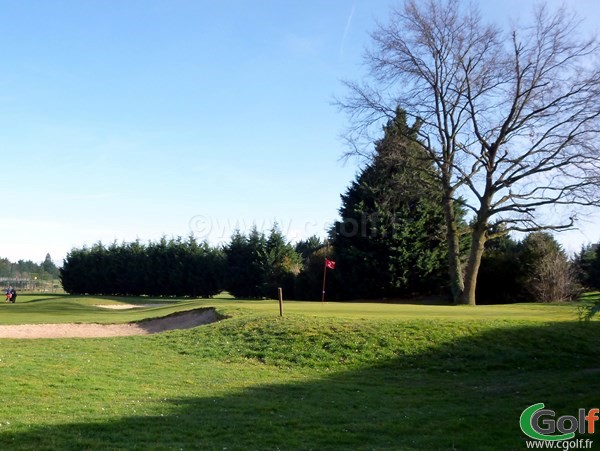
[{"x": 333, "y": 376}]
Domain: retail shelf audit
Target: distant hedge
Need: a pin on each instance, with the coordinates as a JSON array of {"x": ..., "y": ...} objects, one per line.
[{"x": 174, "y": 267}]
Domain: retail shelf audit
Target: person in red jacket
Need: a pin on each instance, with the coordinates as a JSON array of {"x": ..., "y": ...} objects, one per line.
[{"x": 13, "y": 294}]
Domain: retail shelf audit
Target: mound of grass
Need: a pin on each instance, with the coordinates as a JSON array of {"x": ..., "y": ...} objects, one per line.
[{"x": 313, "y": 342}]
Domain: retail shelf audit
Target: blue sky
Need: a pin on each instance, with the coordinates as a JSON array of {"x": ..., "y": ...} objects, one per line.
[{"x": 136, "y": 119}]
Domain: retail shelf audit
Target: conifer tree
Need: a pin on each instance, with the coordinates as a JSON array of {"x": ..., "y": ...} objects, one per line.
[{"x": 389, "y": 241}]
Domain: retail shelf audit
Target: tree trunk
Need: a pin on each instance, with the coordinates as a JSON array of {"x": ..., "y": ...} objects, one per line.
[
  {"x": 478, "y": 240},
  {"x": 454, "y": 265}
]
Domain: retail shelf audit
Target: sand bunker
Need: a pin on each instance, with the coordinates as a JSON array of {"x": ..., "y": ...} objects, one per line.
[{"x": 179, "y": 320}]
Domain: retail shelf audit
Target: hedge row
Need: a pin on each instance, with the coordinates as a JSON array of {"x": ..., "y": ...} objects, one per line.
[{"x": 173, "y": 267}]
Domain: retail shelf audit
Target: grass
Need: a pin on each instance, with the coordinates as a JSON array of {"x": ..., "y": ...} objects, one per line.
[
  {"x": 49, "y": 309},
  {"x": 332, "y": 376}
]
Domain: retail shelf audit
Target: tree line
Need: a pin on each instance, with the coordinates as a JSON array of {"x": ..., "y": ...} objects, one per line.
[
  {"x": 389, "y": 243},
  {"x": 27, "y": 269},
  {"x": 250, "y": 266},
  {"x": 254, "y": 265},
  {"x": 174, "y": 267}
]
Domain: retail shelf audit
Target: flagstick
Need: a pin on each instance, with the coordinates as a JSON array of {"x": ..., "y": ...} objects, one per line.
[{"x": 324, "y": 279}]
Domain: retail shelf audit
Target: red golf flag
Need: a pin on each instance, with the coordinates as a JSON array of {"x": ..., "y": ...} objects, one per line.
[{"x": 329, "y": 264}]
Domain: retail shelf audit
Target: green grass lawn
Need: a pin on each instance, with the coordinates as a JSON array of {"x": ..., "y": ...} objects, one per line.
[{"x": 325, "y": 376}]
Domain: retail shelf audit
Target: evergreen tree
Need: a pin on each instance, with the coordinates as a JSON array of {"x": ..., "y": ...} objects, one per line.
[
  {"x": 281, "y": 265},
  {"x": 500, "y": 279},
  {"x": 245, "y": 264},
  {"x": 174, "y": 267},
  {"x": 257, "y": 265},
  {"x": 389, "y": 241},
  {"x": 49, "y": 267},
  {"x": 309, "y": 282},
  {"x": 587, "y": 263},
  {"x": 308, "y": 246}
]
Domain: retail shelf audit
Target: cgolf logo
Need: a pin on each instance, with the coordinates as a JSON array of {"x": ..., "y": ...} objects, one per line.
[{"x": 540, "y": 423}]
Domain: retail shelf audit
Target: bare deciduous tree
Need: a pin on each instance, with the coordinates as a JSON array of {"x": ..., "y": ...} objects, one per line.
[
  {"x": 554, "y": 279},
  {"x": 510, "y": 120}
]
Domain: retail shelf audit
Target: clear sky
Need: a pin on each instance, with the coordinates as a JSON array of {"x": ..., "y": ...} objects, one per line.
[{"x": 141, "y": 118}]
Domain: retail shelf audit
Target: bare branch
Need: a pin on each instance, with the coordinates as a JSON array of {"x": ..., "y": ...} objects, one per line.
[{"x": 510, "y": 120}]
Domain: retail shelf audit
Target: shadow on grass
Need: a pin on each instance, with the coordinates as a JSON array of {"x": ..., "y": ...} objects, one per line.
[
  {"x": 30, "y": 299},
  {"x": 464, "y": 395}
]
